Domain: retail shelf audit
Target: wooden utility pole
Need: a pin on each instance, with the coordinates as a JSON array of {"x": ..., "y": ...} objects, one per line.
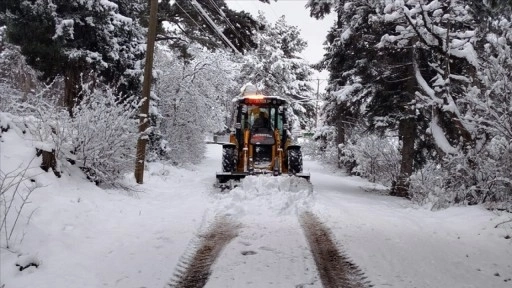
[
  {"x": 317, "y": 112},
  {"x": 316, "y": 103},
  {"x": 146, "y": 90}
]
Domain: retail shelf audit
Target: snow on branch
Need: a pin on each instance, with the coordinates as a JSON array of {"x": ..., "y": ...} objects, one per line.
[
  {"x": 424, "y": 85},
  {"x": 346, "y": 91},
  {"x": 440, "y": 138},
  {"x": 464, "y": 50}
]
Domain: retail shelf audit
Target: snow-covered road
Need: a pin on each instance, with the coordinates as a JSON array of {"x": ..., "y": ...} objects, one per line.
[
  {"x": 398, "y": 244},
  {"x": 86, "y": 237},
  {"x": 395, "y": 243}
]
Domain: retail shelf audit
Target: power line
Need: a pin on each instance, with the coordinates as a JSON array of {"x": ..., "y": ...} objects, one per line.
[
  {"x": 221, "y": 13},
  {"x": 191, "y": 18},
  {"x": 230, "y": 25},
  {"x": 211, "y": 24},
  {"x": 207, "y": 22},
  {"x": 215, "y": 27}
]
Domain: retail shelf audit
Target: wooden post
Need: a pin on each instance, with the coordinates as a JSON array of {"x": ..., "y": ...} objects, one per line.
[{"x": 146, "y": 90}]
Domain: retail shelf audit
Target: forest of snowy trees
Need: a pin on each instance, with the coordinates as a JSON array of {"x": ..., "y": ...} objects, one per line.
[
  {"x": 419, "y": 96},
  {"x": 72, "y": 74}
]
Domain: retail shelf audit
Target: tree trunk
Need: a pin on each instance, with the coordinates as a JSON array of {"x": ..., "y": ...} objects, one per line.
[
  {"x": 146, "y": 90},
  {"x": 72, "y": 88},
  {"x": 340, "y": 122},
  {"x": 407, "y": 133},
  {"x": 340, "y": 137}
]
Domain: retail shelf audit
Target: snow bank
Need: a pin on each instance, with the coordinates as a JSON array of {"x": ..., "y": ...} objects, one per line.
[{"x": 73, "y": 234}]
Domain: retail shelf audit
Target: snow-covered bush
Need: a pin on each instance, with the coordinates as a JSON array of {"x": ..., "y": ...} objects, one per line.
[
  {"x": 189, "y": 103},
  {"x": 40, "y": 118},
  {"x": 478, "y": 178},
  {"x": 8, "y": 96},
  {"x": 17, "y": 79},
  {"x": 372, "y": 157},
  {"x": 426, "y": 186},
  {"x": 100, "y": 138},
  {"x": 103, "y": 135},
  {"x": 15, "y": 191},
  {"x": 321, "y": 146},
  {"x": 309, "y": 148}
]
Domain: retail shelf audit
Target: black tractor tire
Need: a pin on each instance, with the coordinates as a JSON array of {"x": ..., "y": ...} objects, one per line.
[
  {"x": 228, "y": 158},
  {"x": 294, "y": 156}
]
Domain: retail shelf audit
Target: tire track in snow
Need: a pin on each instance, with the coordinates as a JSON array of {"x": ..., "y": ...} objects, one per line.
[
  {"x": 194, "y": 271},
  {"x": 334, "y": 268}
]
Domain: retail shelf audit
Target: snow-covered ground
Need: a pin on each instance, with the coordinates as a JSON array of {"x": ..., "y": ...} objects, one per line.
[{"x": 82, "y": 236}]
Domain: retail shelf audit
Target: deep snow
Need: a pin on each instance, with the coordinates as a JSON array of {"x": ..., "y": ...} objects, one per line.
[{"x": 82, "y": 236}]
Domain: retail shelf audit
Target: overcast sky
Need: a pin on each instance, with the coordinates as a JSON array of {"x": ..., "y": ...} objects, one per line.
[{"x": 312, "y": 30}]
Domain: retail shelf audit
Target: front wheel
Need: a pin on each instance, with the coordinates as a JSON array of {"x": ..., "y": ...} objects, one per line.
[
  {"x": 294, "y": 160},
  {"x": 228, "y": 158}
]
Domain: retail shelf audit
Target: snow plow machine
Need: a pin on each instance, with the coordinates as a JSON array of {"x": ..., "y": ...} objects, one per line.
[{"x": 260, "y": 141}]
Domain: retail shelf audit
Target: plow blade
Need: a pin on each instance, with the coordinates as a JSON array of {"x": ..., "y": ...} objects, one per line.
[
  {"x": 225, "y": 177},
  {"x": 303, "y": 175}
]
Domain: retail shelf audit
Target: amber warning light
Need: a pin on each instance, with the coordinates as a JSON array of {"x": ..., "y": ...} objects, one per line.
[
  {"x": 260, "y": 99},
  {"x": 254, "y": 96}
]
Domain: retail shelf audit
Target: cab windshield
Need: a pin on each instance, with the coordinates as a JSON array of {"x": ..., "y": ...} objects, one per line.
[{"x": 261, "y": 117}]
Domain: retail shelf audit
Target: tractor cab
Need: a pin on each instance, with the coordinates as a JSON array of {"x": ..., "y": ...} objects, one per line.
[
  {"x": 263, "y": 122},
  {"x": 260, "y": 141}
]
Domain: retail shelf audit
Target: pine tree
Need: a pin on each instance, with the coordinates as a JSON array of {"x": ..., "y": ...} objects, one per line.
[
  {"x": 275, "y": 68},
  {"x": 78, "y": 40},
  {"x": 353, "y": 66},
  {"x": 438, "y": 79},
  {"x": 375, "y": 55}
]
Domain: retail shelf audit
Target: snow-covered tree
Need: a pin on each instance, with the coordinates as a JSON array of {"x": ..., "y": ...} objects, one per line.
[
  {"x": 78, "y": 40},
  {"x": 276, "y": 69},
  {"x": 440, "y": 66},
  {"x": 487, "y": 177},
  {"x": 446, "y": 32},
  {"x": 353, "y": 64},
  {"x": 189, "y": 103},
  {"x": 16, "y": 77}
]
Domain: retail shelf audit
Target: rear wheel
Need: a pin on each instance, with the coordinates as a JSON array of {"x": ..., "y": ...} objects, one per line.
[
  {"x": 294, "y": 160},
  {"x": 228, "y": 158}
]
